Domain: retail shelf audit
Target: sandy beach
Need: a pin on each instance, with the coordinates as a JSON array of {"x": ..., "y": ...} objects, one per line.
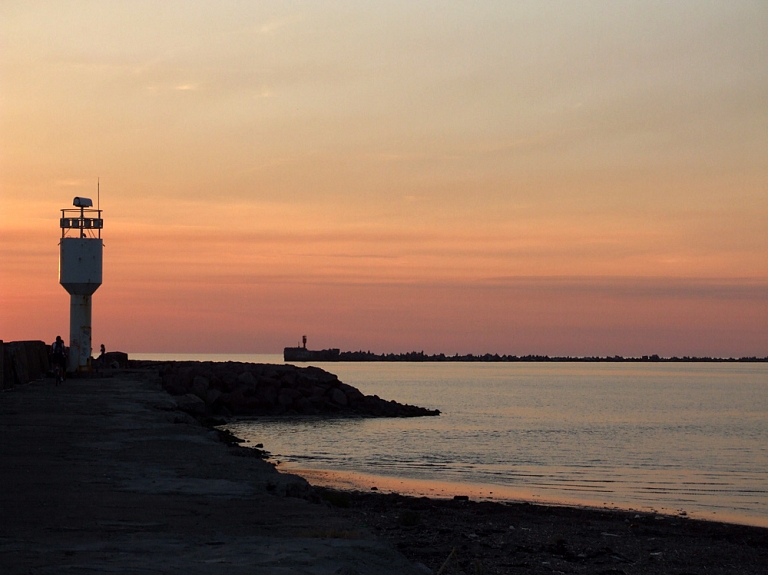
[{"x": 106, "y": 475}]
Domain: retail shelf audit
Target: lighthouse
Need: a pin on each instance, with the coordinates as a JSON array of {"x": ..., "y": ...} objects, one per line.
[{"x": 80, "y": 264}]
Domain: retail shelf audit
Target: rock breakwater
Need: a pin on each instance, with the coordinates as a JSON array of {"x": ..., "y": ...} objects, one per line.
[
  {"x": 22, "y": 362},
  {"x": 232, "y": 388}
]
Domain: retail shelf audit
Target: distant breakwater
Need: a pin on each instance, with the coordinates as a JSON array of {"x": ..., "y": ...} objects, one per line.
[
  {"x": 240, "y": 389},
  {"x": 298, "y": 354}
]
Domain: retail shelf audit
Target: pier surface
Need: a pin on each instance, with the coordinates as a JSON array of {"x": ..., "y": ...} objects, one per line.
[{"x": 105, "y": 475}]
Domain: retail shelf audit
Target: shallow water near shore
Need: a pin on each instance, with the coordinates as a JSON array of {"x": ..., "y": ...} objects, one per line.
[{"x": 671, "y": 437}]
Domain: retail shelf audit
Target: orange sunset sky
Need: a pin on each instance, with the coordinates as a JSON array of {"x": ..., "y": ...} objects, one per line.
[{"x": 585, "y": 178}]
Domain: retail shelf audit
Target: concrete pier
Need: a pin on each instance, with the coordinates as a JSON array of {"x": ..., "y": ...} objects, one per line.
[{"x": 104, "y": 475}]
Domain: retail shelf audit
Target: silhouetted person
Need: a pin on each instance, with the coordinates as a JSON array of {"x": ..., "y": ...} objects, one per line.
[
  {"x": 103, "y": 349},
  {"x": 59, "y": 359}
]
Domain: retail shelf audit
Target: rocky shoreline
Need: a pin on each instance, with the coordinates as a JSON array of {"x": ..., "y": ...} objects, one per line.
[
  {"x": 104, "y": 474},
  {"x": 462, "y": 536},
  {"x": 226, "y": 389}
]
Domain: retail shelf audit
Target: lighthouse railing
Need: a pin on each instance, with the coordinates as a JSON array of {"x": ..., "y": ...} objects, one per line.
[{"x": 85, "y": 223}]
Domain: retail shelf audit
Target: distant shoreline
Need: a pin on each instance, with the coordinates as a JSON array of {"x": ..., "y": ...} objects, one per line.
[{"x": 301, "y": 354}]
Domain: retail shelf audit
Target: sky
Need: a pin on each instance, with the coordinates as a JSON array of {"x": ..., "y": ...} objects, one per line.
[{"x": 532, "y": 177}]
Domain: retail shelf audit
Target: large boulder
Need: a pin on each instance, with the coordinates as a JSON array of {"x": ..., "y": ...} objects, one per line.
[
  {"x": 175, "y": 384},
  {"x": 228, "y": 381},
  {"x": 247, "y": 378},
  {"x": 338, "y": 397},
  {"x": 114, "y": 360},
  {"x": 212, "y": 396},
  {"x": 286, "y": 396},
  {"x": 23, "y": 361},
  {"x": 200, "y": 386},
  {"x": 192, "y": 404}
]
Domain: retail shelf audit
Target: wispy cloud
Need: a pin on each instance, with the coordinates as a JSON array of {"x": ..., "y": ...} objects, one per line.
[
  {"x": 278, "y": 23},
  {"x": 70, "y": 183}
]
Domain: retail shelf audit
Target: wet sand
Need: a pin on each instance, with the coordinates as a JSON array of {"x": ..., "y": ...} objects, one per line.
[
  {"x": 104, "y": 475},
  {"x": 471, "y": 537},
  {"x": 355, "y": 481}
]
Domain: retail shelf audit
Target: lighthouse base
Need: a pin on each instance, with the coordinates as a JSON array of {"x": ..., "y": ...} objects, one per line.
[{"x": 79, "y": 333}]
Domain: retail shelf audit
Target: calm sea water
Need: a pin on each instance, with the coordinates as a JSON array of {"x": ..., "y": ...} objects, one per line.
[{"x": 675, "y": 438}]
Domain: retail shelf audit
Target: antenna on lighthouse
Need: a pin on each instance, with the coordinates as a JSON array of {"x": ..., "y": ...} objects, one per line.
[{"x": 98, "y": 194}]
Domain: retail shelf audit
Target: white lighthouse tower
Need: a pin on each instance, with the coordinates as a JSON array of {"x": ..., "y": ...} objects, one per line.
[{"x": 80, "y": 263}]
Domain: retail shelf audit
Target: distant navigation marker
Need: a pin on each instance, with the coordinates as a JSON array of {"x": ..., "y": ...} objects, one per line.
[{"x": 80, "y": 265}]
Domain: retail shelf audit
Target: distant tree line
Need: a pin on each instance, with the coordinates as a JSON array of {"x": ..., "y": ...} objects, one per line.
[{"x": 416, "y": 356}]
